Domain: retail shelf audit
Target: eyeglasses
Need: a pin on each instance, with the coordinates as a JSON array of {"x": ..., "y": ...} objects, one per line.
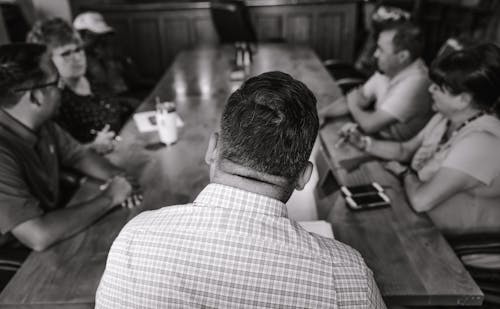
[
  {"x": 68, "y": 53},
  {"x": 56, "y": 83}
]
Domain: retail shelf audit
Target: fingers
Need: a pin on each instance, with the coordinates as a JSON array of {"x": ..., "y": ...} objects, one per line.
[{"x": 132, "y": 201}]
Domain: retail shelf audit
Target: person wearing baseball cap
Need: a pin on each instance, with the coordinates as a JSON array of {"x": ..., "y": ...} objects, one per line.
[
  {"x": 32, "y": 150},
  {"x": 105, "y": 67},
  {"x": 93, "y": 22}
]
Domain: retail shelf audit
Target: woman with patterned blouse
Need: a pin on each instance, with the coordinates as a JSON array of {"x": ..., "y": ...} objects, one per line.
[{"x": 89, "y": 114}]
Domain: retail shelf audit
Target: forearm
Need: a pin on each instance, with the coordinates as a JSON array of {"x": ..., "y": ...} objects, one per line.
[
  {"x": 389, "y": 150},
  {"x": 60, "y": 224},
  {"x": 97, "y": 166}
]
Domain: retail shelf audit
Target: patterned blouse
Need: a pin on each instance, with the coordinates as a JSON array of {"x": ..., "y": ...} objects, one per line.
[{"x": 83, "y": 115}]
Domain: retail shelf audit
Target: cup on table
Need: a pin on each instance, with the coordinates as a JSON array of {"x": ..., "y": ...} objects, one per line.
[{"x": 166, "y": 121}]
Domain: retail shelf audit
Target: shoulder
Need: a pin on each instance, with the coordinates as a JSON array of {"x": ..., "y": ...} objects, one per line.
[
  {"x": 152, "y": 219},
  {"x": 340, "y": 254}
]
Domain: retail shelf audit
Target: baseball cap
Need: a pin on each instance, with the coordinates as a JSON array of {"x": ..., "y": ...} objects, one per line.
[
  {"x": 93, "y": 22},
  {"x": 19, "y": 62}
]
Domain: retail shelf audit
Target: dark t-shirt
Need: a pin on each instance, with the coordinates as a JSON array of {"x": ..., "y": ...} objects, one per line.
[
  {"x": 82, "y": 116},
  {"x": 29, "y": 169}
]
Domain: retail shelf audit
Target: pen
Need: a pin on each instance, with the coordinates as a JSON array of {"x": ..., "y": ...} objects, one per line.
[{"x": 341, "y": 141}]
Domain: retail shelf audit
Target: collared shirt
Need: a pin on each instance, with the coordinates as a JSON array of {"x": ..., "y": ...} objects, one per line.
[
  {"x": 231, "y": 249},
  {"x": 29, "y": 169},
  {"x": 405, "y": 97}
]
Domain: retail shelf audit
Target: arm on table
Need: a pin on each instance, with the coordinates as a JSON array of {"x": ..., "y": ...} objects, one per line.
[
  {"x": 340, "y": 107},
  {"x": 370, "y": 121},
  {"x": 388, "y": 150},
  {"x": 42, "y": 232},
  {"x": 424, "y": 196}
]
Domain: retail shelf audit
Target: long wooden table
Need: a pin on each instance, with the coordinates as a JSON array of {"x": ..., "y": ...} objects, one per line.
[
  {"x": 411, "y": 261},
  {"x": 67, "y": 275}
]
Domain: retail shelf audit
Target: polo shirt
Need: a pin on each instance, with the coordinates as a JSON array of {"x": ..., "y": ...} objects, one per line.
[
  {"x": 405, "y": 97},
  {"x": 231, "y": 249},
  {"x": 29, "y": 168}
]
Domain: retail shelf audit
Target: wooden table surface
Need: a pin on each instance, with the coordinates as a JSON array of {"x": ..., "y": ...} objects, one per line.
[
  {"x": 411, "y": 261},
  {"x": 67, "y": 275}
]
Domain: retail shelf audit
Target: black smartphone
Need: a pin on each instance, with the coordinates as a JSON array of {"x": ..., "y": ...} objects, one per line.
[
  {"x": 368, "y": 201},
  {"x": 362, "y": 189}
]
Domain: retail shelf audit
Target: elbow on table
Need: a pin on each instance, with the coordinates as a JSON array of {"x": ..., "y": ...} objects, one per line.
[
  {"x": 39, "y": 242},
  {"x": 419, "y": 203},
  {"x": 369, "y": 128}
]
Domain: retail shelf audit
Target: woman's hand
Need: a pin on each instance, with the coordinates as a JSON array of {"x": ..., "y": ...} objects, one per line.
[
  {"x": 350, "y": 132},
  {"x": 396, "y": 168},
  {"x": 104, "y": 141}
]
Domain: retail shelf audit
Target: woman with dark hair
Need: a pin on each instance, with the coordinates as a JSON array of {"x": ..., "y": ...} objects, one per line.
[
  {"x": 90, "y": 115},
  {"x": 454, "y": 162}
]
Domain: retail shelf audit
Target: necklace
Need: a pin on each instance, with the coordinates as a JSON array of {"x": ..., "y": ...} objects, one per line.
[{"x": 444, "y": 139}]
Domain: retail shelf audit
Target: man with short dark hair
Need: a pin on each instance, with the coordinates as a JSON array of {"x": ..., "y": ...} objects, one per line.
[
  {"x": 394, "y": 103},
  {"x": 234, "y": 246},
  {"x": 32, "y": 151}
]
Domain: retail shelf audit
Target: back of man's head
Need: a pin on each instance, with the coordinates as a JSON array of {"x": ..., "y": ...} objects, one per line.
[
  {"x": 270, "y": 124},
  {"x": 19, "y": 68},
  {"x": 407, "y": 36}
]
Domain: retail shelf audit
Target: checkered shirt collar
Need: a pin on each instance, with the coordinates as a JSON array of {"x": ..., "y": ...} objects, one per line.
[{"x": 217, "y": 195}]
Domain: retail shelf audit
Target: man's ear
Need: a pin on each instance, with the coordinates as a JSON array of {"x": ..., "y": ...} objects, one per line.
[
  {"x": 304, "y": 176},
  {"x": 403, "y": 56},
  {"x": 211, "y": 153}
]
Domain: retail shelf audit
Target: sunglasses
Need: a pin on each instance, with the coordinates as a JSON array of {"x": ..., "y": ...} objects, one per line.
[{"x": 56, "y": 83}]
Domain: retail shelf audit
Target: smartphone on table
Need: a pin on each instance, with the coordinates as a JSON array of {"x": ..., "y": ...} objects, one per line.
[
  {"x": 367, "y": 196},
  {"x": 361, "y": 189}
]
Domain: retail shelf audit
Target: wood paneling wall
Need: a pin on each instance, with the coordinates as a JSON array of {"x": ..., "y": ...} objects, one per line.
[{"x": 154, "y": 33}]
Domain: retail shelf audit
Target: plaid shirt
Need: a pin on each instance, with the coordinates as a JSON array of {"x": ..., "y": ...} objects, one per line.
[{"x": 231, "y": 249}]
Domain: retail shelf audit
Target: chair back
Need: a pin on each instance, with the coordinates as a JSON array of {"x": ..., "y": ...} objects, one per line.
[{"x": 232, "y": 21}]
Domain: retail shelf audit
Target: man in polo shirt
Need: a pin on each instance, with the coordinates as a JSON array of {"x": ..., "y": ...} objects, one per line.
[
  {"x": 394, "y": 103},
  {"x": 234, "y": 246},
  {"x": 32, "y": 151}
]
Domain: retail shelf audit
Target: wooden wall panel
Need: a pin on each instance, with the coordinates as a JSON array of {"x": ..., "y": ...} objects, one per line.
[
  {"x": 329, "y": 37},
  {"x": 203, "y": 31},
  {"x": 175, "y": 36},
  {"x": 147, "y": 48},
  {"x": 268, "y": 27},
  {"x": 299, "y": 28},
  {"x": 154, "y": 33},
  {"x": 123, "y": 34}
]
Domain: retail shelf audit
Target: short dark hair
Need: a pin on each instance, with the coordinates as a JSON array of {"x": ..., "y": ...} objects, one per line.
[
  {"x": 19, "y": 66},
  {"x": 407, "y": 36},
  {"x": 474, "y": 70},
  {"x": 270, "y": 124},
  {"x": 54, "y": 32}
]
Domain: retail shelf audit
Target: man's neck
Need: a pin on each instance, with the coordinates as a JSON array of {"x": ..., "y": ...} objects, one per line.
[
  {"x": 235, "y": 175},
  {"x": 25, "y": 117},
  {"x": 398, "y": 70}
]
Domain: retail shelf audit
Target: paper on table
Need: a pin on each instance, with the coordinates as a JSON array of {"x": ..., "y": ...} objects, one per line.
[
  {"x": 319, "y": 227},
  {"x": 146, "y": 121}
]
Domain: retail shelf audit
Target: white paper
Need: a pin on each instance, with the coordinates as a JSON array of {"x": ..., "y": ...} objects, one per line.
[
  {"x": 319, "y": 227},
  {"x": 146, "y": 121}
]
